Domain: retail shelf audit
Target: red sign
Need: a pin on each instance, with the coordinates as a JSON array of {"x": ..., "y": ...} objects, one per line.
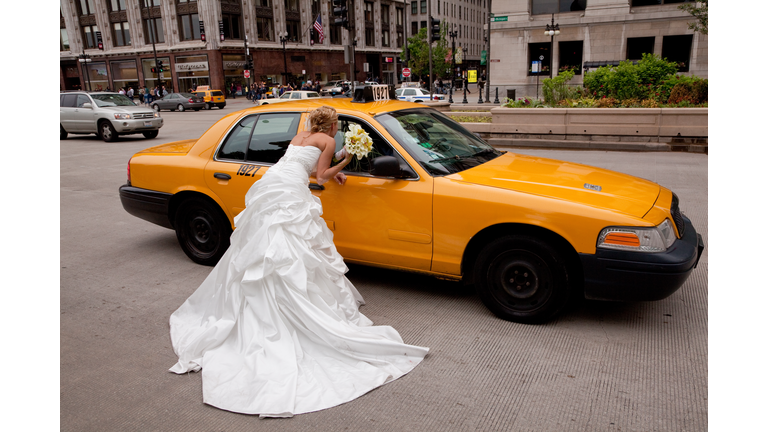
[
  {"x": 246, "y": 73},
  {"x": 406, "y": 72}
]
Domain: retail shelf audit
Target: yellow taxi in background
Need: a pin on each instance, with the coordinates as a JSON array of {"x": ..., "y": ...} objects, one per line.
[
  {"x": 211, "y": 97},
  {"x": 529, "y": 233}
]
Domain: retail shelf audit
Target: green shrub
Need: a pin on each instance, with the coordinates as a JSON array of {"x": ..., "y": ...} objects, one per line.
[
  {"x": 525, "y": 102},
  {"x": 557, "y": 88}
]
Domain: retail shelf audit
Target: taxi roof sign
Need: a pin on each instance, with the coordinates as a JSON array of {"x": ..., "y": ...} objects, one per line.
[{"x": 374, "y": 93}]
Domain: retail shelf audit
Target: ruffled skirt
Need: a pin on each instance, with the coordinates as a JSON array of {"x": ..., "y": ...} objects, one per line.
[{"x": 275, "y": 326}]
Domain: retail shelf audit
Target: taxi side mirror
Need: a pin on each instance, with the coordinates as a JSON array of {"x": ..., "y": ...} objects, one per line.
[{"x": 386, "y": 166}]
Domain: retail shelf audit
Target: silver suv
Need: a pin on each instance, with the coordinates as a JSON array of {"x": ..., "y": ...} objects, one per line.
[{"x": 106, "y": 114}]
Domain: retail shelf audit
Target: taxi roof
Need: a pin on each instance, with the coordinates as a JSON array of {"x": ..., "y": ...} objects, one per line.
[{"x": 341, "y": 105}]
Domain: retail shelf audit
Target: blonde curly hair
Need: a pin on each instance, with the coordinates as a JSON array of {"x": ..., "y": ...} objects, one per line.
[{"x": 322, "y": 119}]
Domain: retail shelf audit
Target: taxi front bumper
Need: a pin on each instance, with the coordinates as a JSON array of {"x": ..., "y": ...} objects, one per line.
[
  {"x": 137, "y": 125},
  {"x": 636, "y": 276}
]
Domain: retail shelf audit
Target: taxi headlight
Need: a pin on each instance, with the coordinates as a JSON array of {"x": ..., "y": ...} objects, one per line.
[
  {"x": 653, "y": 239},
  {"x": 157, "y": 115},
  {"x": 119, "y": 116}
]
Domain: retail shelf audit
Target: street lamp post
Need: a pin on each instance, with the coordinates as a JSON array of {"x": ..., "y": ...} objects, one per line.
[
  {"x": 283, "y": 40},
  {"x": 453, "y": 34},
  {"x": 464, "y": 81},
  {"x": 551, "y": 31},
  {"x": 85, "y": 59}
]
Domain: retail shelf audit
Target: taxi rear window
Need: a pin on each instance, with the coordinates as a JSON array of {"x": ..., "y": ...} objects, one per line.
[
  {"x": 260, "y": 138},
  {"x": 217, "y": 93}
]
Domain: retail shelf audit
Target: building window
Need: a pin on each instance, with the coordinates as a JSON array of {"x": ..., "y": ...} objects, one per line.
[
  {"x": 293, "y": 27},
  {"x": 414, "y": 28},
  {"x": 89, "y": 35},
  {"x": 414, "y": 7},
  {"x": 399, "y": 16},
  {"x": 263, "y": 3},
  {"x": 189, "y": 27},
  {"x": 657, "y": 2},
  {"x": 292, "y": 5},
  {"x": 399, "y": 38},
  {"x": 636, "y": 47},
  {"x": 231, "y": 26},
  {"x": 368, "y": 12},
  {"x": 264, "y": 27},
  {"x": 150, "y": 26},
  {"x": 571, "y": 54},
  {"x": 121, "y": 33},
  {"x": 423, "y": 6},
  {"x": 117, "y": 5},
  {"x": 335, "y": 35},
  {"x": 536, "y": 50},
  {"x": 189, "y": 21},
  {"x": 64, "y": 41},
  {"x": 369, "y": 37},
  {"x": 86, "y": 7},
  {"x": 556, "y": 6},
  {"x": 677, "y": 49},
  {"x": 424, "y": 25}
]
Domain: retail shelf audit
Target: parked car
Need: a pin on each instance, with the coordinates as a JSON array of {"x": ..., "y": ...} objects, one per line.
[
  {"x": 411, "y": 94},
  {"x": 210, "y": 97},
  {"x": 325, "y": 90},
  {"x": 106, "y": 114},
  {"x": 338, "y": 88},
  {"x": 179, "y": 102},
  {"x": 531, "y": 234},
  {"x": 290, "y": 96}
]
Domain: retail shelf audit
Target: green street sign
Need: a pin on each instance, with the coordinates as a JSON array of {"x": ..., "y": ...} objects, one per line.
[
  {"x": 483, "y": 57},
  {"x": 501, "y": 18}
]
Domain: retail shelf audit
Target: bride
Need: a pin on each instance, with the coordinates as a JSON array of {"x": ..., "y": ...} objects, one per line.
[{"x": 275, "y": 326}]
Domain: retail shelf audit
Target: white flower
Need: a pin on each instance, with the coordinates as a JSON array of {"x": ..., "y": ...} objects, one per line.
[{"x": 357, "y": 141}]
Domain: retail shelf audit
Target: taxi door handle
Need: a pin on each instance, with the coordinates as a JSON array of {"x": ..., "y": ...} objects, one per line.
[
  {"x": 315, "y": 186},
  {"x": 222, "y": 176}
]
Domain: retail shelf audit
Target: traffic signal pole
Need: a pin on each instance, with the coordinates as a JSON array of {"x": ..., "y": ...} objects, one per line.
[
  {"x": 154, "y": 50},
  {"x": 429, "y": 41}
]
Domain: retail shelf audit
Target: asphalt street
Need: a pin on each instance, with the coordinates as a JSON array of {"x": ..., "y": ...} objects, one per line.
[{"x": 598, "y": 367}]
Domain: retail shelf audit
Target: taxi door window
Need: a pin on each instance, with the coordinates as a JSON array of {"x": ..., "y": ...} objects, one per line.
[
  {"x": 236, "y": 144},
  {"x": 271, "y": 136},
  {"x": 380, "y": 146}
]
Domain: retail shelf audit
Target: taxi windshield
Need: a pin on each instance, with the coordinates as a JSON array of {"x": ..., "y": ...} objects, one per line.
[
  {"x": 110, "y": 100},
  {"x": 441, "y": 145}
]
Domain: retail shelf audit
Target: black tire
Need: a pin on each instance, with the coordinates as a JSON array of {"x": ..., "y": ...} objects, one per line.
[
  {"x": 207, "y": 106},
  {"x": 107, "y": 132},
  {"x": 197, "y": 109},
  {"x": 150, "y": 134},
  {"x": 156, "y": 107},
  {"x": 180, "y": 108},
  {"x": 62, "y": 133},
  {"x": 202, "y": 230},
  {"x": 522, "y": 279}
]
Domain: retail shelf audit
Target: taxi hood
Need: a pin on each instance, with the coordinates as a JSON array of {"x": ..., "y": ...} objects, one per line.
[
  {"x": 569, "y": 181},
  {"x": 177, "y": 147}
]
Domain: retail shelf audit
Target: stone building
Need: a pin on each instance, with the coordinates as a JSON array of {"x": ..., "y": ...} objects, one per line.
[
  {"x": 591, "y": 33},
  {"x": 203, "y": 42}
]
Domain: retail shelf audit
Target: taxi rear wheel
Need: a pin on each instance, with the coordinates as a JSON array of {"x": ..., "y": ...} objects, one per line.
[
  {"x": 522, "y": 279},
  {"x": 202, "y": 230}
]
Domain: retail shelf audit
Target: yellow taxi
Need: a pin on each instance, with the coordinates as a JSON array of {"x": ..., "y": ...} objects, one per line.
[
  {"x": 211, "y": 97},
  {"x": 530, "y": 233}
]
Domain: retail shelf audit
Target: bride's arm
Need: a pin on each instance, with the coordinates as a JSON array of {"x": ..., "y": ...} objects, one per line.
[{"x": 325, "y": 171}]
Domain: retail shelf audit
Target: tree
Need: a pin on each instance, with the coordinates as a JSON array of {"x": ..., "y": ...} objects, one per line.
[
  {"x": 699, "y": 11},
  {"x": 419, "y": 51}
]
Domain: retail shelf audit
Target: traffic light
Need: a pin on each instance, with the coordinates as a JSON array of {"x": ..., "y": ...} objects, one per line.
[
  {"x": 160, "y": 66},
  {"x": 434, "y": 30},
  {"x": 248, "y": 64},
  {"x": 341, "y": 12}
]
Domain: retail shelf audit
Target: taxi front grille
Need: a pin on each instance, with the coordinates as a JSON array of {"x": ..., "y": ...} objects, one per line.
[
  {"x": 677, "y": 215},
  {"x": 143, "y": 115}
]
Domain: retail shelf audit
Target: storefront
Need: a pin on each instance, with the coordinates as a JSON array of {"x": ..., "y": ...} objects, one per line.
[
  {"x": 71, "y": 76},
  {"x": 150, "y": 78},
  {"x": 233, "y": 73},
  {"x": 124, "y": 75},
  {"x": 96, "y": 76},
  {"x": 192, "y": 71}
]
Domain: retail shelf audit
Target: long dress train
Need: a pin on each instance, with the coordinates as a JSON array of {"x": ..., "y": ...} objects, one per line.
[{"x": 275, "y": 326}]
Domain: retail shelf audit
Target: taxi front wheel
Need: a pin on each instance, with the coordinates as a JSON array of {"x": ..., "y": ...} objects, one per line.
[
  {"x": 202, "y": 230},
  {"x": 522, "y": 279}
]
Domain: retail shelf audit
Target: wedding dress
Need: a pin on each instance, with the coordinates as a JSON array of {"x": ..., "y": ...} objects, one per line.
[{"x": 275, "y": 326}]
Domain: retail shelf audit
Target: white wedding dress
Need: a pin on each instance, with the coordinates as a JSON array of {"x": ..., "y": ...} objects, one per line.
[{"x": 275, "y": 327}]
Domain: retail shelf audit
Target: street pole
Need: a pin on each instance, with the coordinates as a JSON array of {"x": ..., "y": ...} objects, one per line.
[
  {"x": 283, "y": 40},
  {"x": 453, "y": 35},
  {"x": 247, "y": 65},
  {"x": 429, "y": 41},
  {"x": 85, "y": 58},
  {"x": 488, "y": 57},
  {"x": 154, "y": 50},
  {"x": 552, "y": 30}
]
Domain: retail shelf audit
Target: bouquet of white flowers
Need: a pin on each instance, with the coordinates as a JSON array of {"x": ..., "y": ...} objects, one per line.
[{"x": 357, "y": 141}]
